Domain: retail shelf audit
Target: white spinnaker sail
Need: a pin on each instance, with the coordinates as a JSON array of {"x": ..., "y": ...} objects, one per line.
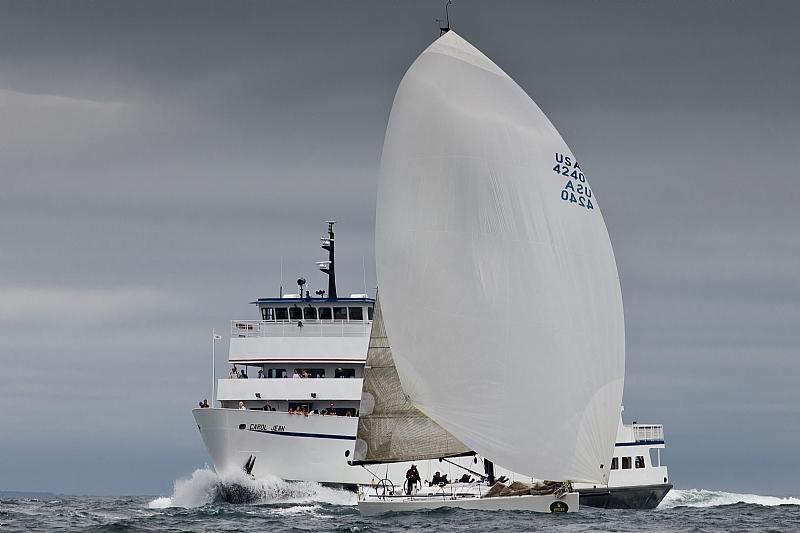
[{"x": 498, "y": 283}]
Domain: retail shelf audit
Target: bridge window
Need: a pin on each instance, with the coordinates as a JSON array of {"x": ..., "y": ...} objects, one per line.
[
  {"x": 295, "y": 313},
  {"x": 267, "y": 313},
  {"x": 370, "y": 311},
  {"x": 281, "y": 313},
  {"x": 325, "y": 313},
  {"x": 340, "y": 313},
  {"x": 615, "y": 463},
  {"x": 345, "y": 373},
  {"x": 626, "y": 463},
  {"x": 310, "y": 313},
  {"x": 356, "y": 313},
  {"x": 640, "y": 461}
]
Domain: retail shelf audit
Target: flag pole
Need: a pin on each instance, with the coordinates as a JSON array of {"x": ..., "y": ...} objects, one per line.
[
  {"x": 213, "y": 363},
  {"x": 213, "y": 366}
]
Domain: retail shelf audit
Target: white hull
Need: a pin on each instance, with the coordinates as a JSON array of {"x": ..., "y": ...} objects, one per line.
[
  {"x": 301, "y": 448},
  {"x": 375, "y": 506}
]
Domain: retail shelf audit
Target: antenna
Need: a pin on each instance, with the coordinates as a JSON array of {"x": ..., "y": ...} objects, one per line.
[
  {"x": 281, "y": 291},
  {"x": 446, "y": 28},
  {"x": 364, "y": 272},
  {"x": 328, "y": 243}
]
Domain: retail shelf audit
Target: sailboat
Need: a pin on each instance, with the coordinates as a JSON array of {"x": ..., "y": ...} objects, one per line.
[{"x": 499, "y": 328}]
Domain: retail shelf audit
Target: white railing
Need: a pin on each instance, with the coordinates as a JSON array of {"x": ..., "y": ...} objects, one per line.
[
  {"x": 277, "y": 389},
  {"x": 300, "y": 328},
  {"x": 648, "y": 432}
]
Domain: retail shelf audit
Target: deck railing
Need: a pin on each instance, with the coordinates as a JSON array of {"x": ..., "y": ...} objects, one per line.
[
  {"x": 300, "y": 328},
  {"x": 648, "y": 432}
]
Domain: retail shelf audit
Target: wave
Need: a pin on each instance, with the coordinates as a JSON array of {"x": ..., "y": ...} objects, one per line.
[
  {"x": 712, "y": 498},
  {"x": 206, "y": 487}
]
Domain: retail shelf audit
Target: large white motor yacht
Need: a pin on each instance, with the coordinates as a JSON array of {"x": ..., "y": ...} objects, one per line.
[{"x": 295, "y": 415}]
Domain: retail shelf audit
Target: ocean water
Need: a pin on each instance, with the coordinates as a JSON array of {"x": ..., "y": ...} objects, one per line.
[{"x": 202, "y": 503}]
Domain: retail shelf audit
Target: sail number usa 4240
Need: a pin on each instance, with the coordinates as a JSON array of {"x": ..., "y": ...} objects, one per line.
[{"x": 576, "y": 190}]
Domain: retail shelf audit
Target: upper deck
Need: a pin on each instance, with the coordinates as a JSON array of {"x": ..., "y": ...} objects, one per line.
[
  {"x": 295, "y": 329},
  {"x": 640, "y": 434},
  {"x": 304, "y": 328}
]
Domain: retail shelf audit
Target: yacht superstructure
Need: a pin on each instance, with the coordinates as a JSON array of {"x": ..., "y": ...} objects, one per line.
[
  {"x": 290, "y": 405},
  {"x": 637, "y": 480}
]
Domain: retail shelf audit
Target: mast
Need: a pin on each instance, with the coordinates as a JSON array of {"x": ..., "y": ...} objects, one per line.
[
  {"x": 446, "y": 28},
  {"x": 488, "y": 467},
  {"x": 328, "y": 243}
]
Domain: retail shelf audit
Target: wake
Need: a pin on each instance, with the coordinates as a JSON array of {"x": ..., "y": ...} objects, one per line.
[
  {"x": 712, "y": 498},
  {"x": 205, "y": 487}
]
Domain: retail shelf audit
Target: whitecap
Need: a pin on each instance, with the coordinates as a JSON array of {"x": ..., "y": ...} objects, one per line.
[
  {"x": 205, "y": 487},
  {"x": 711, "y": 498}
]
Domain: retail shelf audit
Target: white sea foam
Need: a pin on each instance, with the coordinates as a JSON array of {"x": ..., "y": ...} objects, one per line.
[
  {"x": 711, "y": 498},
  {"x": 205, "y": 486}
]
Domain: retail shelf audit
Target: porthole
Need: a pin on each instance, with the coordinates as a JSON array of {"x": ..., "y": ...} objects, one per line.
[
  {"x": 347, "y": 453},
  {"x": 242, "y": 426}
]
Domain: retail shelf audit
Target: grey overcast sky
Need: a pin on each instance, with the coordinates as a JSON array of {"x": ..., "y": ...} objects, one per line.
[{"x": 158, "y": 159}]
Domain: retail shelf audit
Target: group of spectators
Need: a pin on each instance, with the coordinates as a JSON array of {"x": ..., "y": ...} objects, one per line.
[
  {"x": 304, "y": 411},
  {"x": 298, "y": 373},
  {"x": 300, "y": 411},
  {"x": 241, "y": 375}
]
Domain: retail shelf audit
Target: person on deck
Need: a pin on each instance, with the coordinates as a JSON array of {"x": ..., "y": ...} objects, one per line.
[{"x": 412, "y": 478}]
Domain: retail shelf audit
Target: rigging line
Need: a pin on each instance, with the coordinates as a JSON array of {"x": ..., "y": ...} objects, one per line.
[
  {"x": 483, "y": 477},
  {"x": 373, "y": 473}
]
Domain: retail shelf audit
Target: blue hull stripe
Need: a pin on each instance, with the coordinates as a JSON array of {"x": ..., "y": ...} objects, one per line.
[
  {"x": 309, "y": 435},
  {"x": 640, "y": 443}
]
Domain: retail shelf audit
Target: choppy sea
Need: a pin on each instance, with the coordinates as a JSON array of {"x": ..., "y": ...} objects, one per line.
[{"x": 201, "y": 503}]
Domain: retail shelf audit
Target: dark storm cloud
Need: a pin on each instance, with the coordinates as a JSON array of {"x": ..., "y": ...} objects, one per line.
[{"x": 159, "y": 160}]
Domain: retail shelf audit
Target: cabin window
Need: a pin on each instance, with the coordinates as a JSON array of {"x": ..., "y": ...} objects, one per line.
[
  {"x": 342, "y": 411},
  {"x": 325, "y": 313},
  {"x": 370, "y": 311},
  {"x": 295, "y": 313},
  {"x": 276, "y": 373},
  {"x": 640, "y": 461},
  {"x": 345, "y": 373},
  {"x": 655, "y": 459},
  {"x": 615, "y": 463},
  {"x": 281, "y": 313},
  {"x": 267, "y": 313},
  {"x": 356, "y": 313},
  {"x": 626, "y": 463},
  {"x": 340, "y": 313},
  {"x": 310, "y": 313}
]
